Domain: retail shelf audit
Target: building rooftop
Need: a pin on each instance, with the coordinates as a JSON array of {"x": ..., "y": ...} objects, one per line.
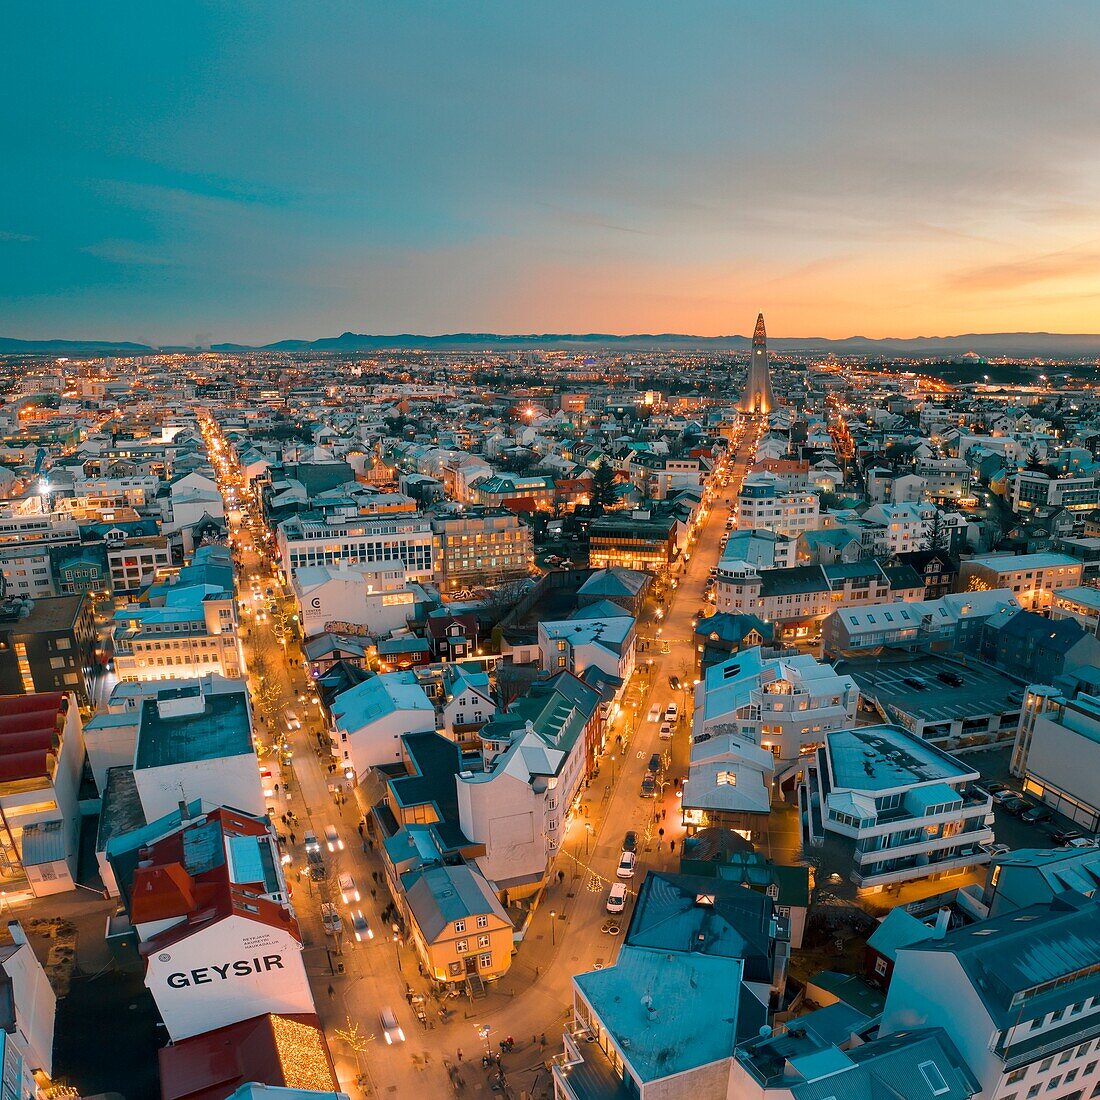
[
  {"x": 220, "y": 729},
  {"x": 440, "y": 894},
  {"x": 30, "y": 734},
  {"x": 884, "y": 758}
]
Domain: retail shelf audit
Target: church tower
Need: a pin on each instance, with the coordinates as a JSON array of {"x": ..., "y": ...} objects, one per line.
[{"x": 758, "y": 397}]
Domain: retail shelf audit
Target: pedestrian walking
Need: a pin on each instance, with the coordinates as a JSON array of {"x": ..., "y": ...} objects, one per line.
[
  {"x": 460, "y": 1054},
  {"x": 331, "y": 992}
]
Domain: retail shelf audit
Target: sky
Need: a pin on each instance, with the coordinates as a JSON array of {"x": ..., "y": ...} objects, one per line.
[{"x": 193, "y": 172}]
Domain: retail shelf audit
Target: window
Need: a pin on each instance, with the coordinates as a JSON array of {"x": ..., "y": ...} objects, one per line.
[
  {"x": 485, "y": 961},
  {"x": 482, "y": 922},
  {"x": 880, "y": 970},
  {"x": 460, "y": 926},
  {"x": 462, "y": 946},
  {"x": 727, "y": 779},
  {"x": 483, "y": 940},
  {"x": 1015, "y": 1075},
  {"x": 934, "y": 1078}
]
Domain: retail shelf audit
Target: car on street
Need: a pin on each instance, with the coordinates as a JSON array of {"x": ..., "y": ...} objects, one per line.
[
  {"x": 317, "y": 868},
  {"x": 330, "y": 918},
  {"x": 391, "y": 1029},
  {"x": 993, "y": 787},
  {"x": 952, "y": 678},
  {"x": 1037, "y": 814},
  {"x": 293, "y": 722},
  {"x": 674, "y": 683},
  {"x": 1005, "y": 794},
  {"x": 312, "y": 843},
  {"x": 626, "y": 865},
  {"x": 649, "y": 786},
  {"x": 655, "y": 763},
  {"x": 996, "y": 849},
  {"x": 348, "y": 890},
  {"x": 360, "y": 926},
  {"x": 671, "y": 712},
  {"x": 630, "y": 841},
  {"x": 1082, "y": 842},
  {"x": 654, "y": 712},
  {"x": 332, "y": 839},
  {"x": 1015, "y": 806},
  {"x": 616, "y": 897},
  {"x": 666, "y": 732}
]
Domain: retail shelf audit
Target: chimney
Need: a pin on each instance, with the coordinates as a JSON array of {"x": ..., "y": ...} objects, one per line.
[
  {"x": 943, "y": 919},
  {"x": 184, "y": 815}
]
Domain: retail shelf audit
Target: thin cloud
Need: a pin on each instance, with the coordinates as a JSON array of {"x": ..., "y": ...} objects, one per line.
[{"x": 1029, "y": 270}]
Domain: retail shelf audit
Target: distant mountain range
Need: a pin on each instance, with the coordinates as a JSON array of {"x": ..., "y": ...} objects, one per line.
[{"x": 1050, "y": 345}]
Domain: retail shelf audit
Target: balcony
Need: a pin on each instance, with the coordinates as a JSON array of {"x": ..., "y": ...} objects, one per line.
[
  {"x": 918, "y": 868},
  {"x": 584, "y": 1072},
  {"x": 927, "y": 845}
]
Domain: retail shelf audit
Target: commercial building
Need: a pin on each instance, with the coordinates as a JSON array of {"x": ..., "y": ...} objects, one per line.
[
  {"x": 660, "y": 476},
  {"x": 478, "y": 546},
  {"x": 1032, "y": 578},
  {"x": 1081, "y": 604},
  {"x": 207, "y": 901},
  {"x": 375, "y": 597},
  {"x": 49, "y": 645},
  {"x": 639, "y": 540},
  {"x": 193, "y": 742},
  {"x": 783, "y": 704},
  {"x": 1037, "y": 489},
  {"x": 184, "y": 627},
  {"x": 370, "y": 719},
  {"x": 728, "y": 786},
  {"x": 908, "y": 808},
  {"x": 1057, "y": 753},
  {"x": 311, "y": 539},
  {"x": 767, "y": 502},
  {"x": 597, "y": 636},
  {"x": 1017, "y": 995},
  {"x": 41, "y": 760}
]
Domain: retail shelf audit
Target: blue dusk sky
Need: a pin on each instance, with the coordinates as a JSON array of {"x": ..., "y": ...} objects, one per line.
[{"x": 249, "y": 171}]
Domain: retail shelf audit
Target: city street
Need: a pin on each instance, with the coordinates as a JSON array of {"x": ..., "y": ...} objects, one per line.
[{"x": 565, "y": 935}]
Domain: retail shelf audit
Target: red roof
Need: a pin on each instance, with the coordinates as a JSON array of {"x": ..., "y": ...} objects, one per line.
[
  {"x": 192, "y": 880},
  {"x": 215, "y": 1064},
  {"x": 29, "y": 733}
]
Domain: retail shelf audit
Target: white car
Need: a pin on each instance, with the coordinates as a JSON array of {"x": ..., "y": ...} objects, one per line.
[
  {"x": 348, "y": 890},
  {"x": 332, "y": 839},
  {"x": 616, "y": 898},
  {"x": 671, "y": 712},
  {"x": 293, "y": 722},
  {"x": 391, "y": 1029},
  {"x": 655, "y": 712},
  {"x": 626, "y": 865},
  {"x": 666, "y": 732}
]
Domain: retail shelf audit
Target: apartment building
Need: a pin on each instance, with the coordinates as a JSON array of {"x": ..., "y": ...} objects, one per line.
[
  {"x": 49, "y": 645},
  {"x": 313, "y": 539},
  {"x": 908, "y": 808},
  {"x": 478, "y": 546},
  {"x": 1082, "y": 604},
  {"x": 1033, "y": 489},
  {"x": 136, "y": 563},
  {"x": 598, "y": 636},
  {"x": 185, "y": 627},
  {"x": 1032, "y": 578},
  {"x": 945, "y": 478},
  {"x": 797, "y": 600},
  {"x": 1016, "y": 993},
  {"x": 658, "y": 477},
  {"x": 767, "y": 502},
  {"x": 786, "y": 705}
]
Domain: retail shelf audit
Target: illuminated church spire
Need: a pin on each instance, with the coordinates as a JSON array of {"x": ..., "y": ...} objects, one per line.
[{"x": 758, "y": 397}]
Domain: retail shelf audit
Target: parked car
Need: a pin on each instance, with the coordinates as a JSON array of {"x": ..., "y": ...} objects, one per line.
[
  {"x": 672, "y": 711},
  {"x": 626, "y": 865},
  {"x": 616, "y": 897},
  {"x": 630, "y": 841},
  {"x": 391, "y": 1029},
  {"x": 666, "y": 731},
  {"x": 1082, "y": 842},
  {"x": 914, "y": 683},
  {"x": 1036, "y": 814},
  {"x": 649, "y": 786},
  {"x": 1066, "y": 836},
  {"x": 1005, "y": 794},
  {"x": 330, "y": 918},
  {"x": 952, "y": 678},
  {"x": 1015, "y": 806},
  {"x": 312, "y": 843},
  {"x": 994, "y": 787},
  {"x": 348, "y": 890},
  {"x": 360, "y": 926},
  {"x": 655, "y": 763},
  {"x": 996, "y": 849},
  {"x": 317, "y": 868}
]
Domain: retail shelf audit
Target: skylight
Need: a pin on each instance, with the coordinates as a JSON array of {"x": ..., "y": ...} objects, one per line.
[{"x": 932, "y": 1075}]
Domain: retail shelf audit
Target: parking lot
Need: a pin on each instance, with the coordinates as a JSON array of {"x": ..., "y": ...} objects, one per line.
[{"x": 985, "y": 691}]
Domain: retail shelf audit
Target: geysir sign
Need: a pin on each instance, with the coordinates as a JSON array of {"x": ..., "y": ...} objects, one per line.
[{"x": 205, "y": 975}]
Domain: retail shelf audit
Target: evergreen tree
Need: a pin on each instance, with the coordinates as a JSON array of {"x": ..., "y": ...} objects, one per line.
[
  {"x": 938, "y": 534},
  {"x": 1034, "y": 462},
  {"x": 603, "y": 484}
]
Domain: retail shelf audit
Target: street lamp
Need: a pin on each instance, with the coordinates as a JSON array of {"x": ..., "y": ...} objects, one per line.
[
  {"x": 553, "y": 928},
  {"x": 612, "y": 769},
  {"x": 587, "y": 835}
]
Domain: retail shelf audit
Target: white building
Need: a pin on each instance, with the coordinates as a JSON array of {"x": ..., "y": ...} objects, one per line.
[
  {"x": 1033, "y": 578},
  {"x": 369, "y": 719},
  {"x": 908, "y": 807},
  {"x": 195, "y": 743},
  {"x": 600, "y": 635},
  {"x": 1017, "y": 995},
  {"x": 786, "y": 704},
  {"x": 214, "y": 922},
  {"x": 766, "y": 501},
  {"x": 314, "y": 539},
  {"x": 1081, "y": 603},
  {"x": 374, "y": 596},
  {"x": 27, "y": 1012},
  {"x": 1057, "y": 753}
]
